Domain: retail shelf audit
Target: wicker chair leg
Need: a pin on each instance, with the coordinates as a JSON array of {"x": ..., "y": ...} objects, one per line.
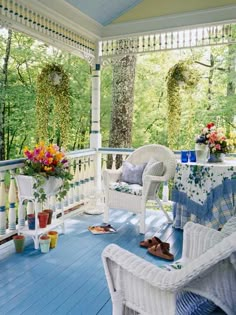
[
  {"x": 158, "y": 201},
  {"x": 142, "y": 226}
]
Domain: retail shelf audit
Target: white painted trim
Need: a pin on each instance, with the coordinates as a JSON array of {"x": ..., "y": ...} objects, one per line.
[
  {"x": 6, "y": 22},
  {"x": 220, "y": 15},
  {"x": 67, "y": 15}
]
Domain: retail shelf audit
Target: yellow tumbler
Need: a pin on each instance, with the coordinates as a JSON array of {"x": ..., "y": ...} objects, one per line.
[{"x": 53, "y": 236}]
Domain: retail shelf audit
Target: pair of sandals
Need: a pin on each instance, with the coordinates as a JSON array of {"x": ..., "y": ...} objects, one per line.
[{"x": 157, "y": 248}]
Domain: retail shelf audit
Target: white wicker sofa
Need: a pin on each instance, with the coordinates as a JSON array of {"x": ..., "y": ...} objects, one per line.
[
  {"x": 209, "y": 270},
  {"x": 137, "y": 202}
]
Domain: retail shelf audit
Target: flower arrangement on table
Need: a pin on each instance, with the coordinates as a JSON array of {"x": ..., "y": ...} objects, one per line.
[
  {"x": 215, "y": 139},
  {"x": 44, "y": 161}
]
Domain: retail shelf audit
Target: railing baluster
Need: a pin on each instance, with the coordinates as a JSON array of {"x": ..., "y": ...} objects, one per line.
[
  {"x": 3, "y": 221},
  {"x": 92, "y": 176},
  {"x": 113, "y": 167},
  {"x": 82, "y": 179},
  {"x": 104, "y": 162},
  {"x": 86, "y": 179},
  {"x": 72, "y": 182},
  {"x": 12, "y": 204},
  {"x": 77, "y": 181}
]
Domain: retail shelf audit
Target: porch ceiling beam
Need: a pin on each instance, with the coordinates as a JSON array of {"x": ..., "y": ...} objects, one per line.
[{"x": 182, "y": 21}]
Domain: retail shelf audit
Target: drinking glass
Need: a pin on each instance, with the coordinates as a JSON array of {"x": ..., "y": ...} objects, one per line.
[
  {"x": 184, "y": 156},
  {"x": 192, "y": 156}
]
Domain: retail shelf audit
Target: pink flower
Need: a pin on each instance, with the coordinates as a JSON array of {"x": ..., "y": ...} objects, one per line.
[
  {"x": 48, "y": 155},
  {"x": 28, "y": 154},
  {"x": 213, "y": 137}
]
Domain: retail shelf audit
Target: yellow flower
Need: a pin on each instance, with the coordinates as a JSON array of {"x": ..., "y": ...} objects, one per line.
[
  {"x": 51, "y": 149},
  {"x": 47, "y": 168},
  {"x": 59, "y": 156}
]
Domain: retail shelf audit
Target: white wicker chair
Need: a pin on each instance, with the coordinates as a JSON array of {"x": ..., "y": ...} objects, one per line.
[
  {"x": 137, "y": 204},
  {"x": 209, "y": 270}
]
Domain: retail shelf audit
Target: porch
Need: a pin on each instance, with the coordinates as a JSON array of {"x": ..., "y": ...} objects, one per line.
[{"x": 70, "y": 279}]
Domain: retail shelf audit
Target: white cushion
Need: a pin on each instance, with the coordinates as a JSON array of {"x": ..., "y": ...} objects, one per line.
[{"x": 133, "y": 189}]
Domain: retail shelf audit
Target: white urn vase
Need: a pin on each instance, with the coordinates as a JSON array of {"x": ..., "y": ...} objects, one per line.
[{"x": 202, "y": 152}]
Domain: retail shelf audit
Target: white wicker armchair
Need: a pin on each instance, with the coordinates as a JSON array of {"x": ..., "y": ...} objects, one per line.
[
  {"x": 135, "y": 203},
  {"x": 146, "y": 289}
]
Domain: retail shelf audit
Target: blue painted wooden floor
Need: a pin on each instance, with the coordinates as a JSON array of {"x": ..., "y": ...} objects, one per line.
[{"x": 70, "y": 278}]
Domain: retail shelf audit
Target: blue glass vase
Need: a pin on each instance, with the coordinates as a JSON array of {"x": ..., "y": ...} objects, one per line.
[{"x": 216, "y": 158}]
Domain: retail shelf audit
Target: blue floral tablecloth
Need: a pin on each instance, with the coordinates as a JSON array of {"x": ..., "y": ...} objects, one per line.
[{"x": 204, "y": 193}]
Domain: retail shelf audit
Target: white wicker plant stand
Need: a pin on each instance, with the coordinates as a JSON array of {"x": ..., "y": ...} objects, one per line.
[{"x": 26, "y": 192}]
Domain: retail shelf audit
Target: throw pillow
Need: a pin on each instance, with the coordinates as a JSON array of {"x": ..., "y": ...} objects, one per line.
[
  {"x": 132, "y": 174},
  {"x": 189, "y": 303},
  {"x": 154, "y": 168}
]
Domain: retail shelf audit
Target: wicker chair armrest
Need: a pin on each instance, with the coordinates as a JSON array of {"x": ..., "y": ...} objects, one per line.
[
  {"x": 198, "y": 239},
  {"x": 157, "y": 179}
]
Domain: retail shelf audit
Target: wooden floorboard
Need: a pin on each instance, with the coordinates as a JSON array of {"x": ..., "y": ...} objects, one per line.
[{"x": 70, "y": 278}]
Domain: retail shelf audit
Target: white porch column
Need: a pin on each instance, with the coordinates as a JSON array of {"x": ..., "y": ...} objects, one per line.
[{"x": 95, "y": 135}]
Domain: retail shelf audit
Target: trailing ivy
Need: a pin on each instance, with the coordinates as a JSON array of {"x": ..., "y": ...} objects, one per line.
[
  {"x": 53, "y": 84},
  {"x": 180, "y": 75}
]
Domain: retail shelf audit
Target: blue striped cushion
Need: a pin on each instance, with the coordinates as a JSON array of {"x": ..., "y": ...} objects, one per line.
[{"x": 193, "y": 304}]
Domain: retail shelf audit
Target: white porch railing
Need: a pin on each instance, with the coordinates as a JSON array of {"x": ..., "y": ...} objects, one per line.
[{"x": 81, "y": 189}]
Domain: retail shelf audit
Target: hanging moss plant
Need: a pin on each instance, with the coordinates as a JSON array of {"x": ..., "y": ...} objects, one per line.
[
  {"x": 181, "y": 75},
  {"x": 53, "y": 86}
]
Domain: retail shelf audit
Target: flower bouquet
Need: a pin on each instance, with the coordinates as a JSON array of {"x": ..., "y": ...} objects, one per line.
[
  {"x": 44, "y": 162},
  {"x": 215, "y": 139}
]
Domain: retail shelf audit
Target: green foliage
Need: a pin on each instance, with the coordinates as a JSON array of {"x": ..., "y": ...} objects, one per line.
[
  {"x": 213, "y": 99},
  {"x": 198, "y": 105},
  {"x": 28, "y": 58},
  {"x": 180, "y": 75},
  {"x": 53, "y": 82}
]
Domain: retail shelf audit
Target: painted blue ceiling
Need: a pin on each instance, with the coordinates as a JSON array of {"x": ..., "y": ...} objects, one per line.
[{"x": 104, "y": 11}]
